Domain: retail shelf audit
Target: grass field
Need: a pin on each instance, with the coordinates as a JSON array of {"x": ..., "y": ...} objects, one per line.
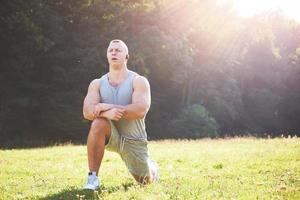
[{"x": 239, "y": 168}]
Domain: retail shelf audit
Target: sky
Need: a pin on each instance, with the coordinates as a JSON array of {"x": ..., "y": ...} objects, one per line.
[{"x": 248, "y": 8}]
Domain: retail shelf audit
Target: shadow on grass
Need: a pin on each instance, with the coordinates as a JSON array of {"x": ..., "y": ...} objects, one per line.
[{"x": 82, "y": 194}]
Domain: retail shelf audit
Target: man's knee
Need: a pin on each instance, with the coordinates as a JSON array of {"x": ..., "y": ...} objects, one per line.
[{"x": 100, "y": 125}]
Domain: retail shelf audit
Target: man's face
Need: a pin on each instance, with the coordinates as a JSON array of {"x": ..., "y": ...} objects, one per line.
[{"x": 116, "y": 53}]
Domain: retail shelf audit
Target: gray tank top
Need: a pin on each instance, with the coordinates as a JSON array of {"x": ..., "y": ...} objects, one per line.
[{"x": 122, "y": 95}]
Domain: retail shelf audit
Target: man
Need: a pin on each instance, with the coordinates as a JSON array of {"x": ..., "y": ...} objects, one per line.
[{"x": 117, "y": 105}]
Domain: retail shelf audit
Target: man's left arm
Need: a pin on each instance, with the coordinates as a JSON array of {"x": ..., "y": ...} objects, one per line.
[{"x": 141, "y": 100}]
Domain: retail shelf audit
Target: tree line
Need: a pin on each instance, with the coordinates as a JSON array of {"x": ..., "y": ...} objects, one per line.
[{"x": 212, "y": 73}]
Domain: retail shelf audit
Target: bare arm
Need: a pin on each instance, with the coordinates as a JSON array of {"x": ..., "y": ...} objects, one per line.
[
  {"x": 91, "y": 100},
  {"x": 141, "y": 100},
  {"x": 91, "y": 105}
]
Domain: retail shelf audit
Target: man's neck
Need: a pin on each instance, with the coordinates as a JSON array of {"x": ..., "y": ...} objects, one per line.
[{"x": 117, "y": 74}]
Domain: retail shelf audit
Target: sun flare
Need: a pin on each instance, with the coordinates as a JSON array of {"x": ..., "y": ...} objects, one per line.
[{"x": 248, "y": 8}]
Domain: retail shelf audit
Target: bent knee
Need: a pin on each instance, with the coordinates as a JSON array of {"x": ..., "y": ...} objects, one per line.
[{"x": 100, "y": 124}]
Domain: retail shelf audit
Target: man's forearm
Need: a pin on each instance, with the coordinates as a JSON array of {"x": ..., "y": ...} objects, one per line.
[
  {"x": 133, "y": 111},
  {"x": 104, "y": 114},
  {"x": 89, "y": 110}
]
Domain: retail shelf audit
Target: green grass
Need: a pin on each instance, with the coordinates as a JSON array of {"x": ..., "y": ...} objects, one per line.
[{"x": 239, "y": 168}]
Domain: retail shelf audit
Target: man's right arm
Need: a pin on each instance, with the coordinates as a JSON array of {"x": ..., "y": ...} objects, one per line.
[
  {"x": 91, "y": 100},
  {"x": 92, "y": 108}
]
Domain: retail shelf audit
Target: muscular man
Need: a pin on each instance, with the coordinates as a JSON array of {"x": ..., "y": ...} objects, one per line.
[{"x": 117, "y": 105}]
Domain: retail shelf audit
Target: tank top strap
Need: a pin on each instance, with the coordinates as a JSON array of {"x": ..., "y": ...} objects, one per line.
[
  {"x": 103, "y": 81},
  {"x": 132, "y": 75}
]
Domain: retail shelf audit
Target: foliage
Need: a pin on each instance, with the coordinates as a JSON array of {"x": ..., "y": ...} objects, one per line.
[
  {"x": 195, "y": 122},
  {"x": 244, "y": 72}
]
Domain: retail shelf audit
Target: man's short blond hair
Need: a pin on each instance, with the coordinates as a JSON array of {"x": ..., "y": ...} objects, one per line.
[{"x": 120, "y": 42}]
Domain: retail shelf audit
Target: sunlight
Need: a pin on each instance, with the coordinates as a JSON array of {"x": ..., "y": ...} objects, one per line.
[{"x": 248, "y": 8}]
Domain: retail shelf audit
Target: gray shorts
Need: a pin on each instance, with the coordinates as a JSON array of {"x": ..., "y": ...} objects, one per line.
[{"x": 133, "y": 152}]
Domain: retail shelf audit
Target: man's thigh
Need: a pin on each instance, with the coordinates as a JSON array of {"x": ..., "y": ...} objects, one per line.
[{"x": 136, "y": 157}]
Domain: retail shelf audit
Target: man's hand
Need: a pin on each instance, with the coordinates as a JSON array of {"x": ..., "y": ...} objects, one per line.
[
  {"x": 101, "y": 107},
  {"x": 113, "y": 114}
]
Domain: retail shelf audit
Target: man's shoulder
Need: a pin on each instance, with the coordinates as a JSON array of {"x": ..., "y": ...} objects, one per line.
[
  {"x": 95, "y": 81},
  {"x": 103, "y": 76},
  {"x": 140, "y": 80},
  {"x": 137, "y": 75},
  {"x": 95, "y": 84}
]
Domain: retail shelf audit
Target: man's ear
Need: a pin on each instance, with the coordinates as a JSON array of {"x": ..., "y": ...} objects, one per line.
[{"x": 127, "y": 56}]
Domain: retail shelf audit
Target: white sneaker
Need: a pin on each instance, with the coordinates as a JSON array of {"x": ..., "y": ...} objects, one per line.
[
  {"x": 154, "y": 170},
  {"x": 92, "y": 183}
]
